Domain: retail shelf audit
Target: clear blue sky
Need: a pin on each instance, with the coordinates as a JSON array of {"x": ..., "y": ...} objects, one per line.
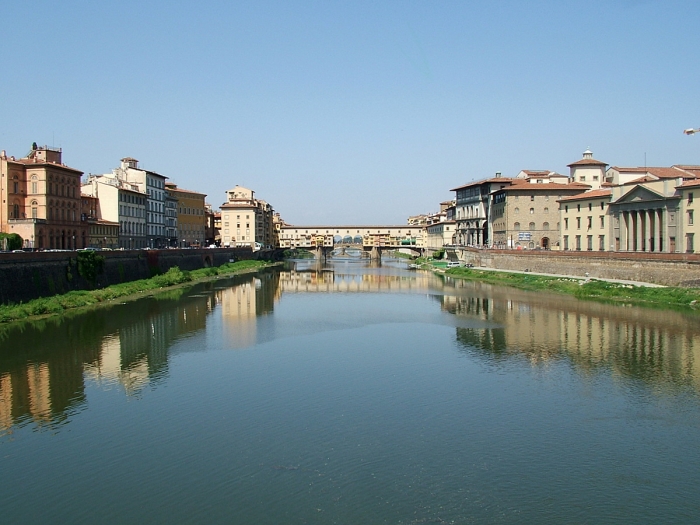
[{"x": 350, "y": 112}]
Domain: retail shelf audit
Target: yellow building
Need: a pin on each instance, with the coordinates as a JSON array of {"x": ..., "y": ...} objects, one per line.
[
  {"x": 191, "y": 215},
  {"x": 584, "y": 221},
  {"x": 245, "y": 220}
]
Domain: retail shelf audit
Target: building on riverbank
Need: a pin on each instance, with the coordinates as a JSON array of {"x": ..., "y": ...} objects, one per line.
[
  {"x": 191, "y": 215},
  {"x": 525, "y": 214},
  {"x": 41, "y": 200},
  {"x": 649, "y": 209},
  {"x": 120, "y": 202},
  {"x": 246, "y": 220}
]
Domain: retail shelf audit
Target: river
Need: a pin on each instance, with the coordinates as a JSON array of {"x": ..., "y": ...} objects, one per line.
[{"x": 351, "y": 393}]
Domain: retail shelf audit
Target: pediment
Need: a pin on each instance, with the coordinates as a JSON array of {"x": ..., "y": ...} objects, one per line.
[{"x": 639, "y": 194}]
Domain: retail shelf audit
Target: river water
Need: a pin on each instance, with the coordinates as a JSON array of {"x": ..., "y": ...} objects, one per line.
[{"x": 352, "y": 394}]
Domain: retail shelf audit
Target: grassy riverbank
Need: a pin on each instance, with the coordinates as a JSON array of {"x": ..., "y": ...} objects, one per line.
[
  {"x": 669, "y": 296},
  {"x": 81, "y": 298}
]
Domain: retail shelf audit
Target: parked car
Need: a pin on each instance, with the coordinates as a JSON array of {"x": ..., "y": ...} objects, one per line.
[{"x": 454, "y": 264}]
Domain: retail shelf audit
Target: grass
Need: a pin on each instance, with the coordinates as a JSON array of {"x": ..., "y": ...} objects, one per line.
[
  {"x": 80, "y": 298},
  {"x": 669, "y": 296},
  {"x": 401, "y": 255}
]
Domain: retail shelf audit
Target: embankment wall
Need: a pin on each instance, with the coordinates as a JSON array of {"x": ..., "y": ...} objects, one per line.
[
  {"x": 30, "y": 275},
  {"x": 671, "y": 269}
]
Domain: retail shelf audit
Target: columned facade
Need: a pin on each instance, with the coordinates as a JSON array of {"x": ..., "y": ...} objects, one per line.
[{"x": 646, "y": 228}]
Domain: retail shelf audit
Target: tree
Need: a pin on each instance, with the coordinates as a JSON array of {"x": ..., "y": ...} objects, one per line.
[{"x": 14, "y": 241}]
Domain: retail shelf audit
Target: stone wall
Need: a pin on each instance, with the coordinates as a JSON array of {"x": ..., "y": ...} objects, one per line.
[
  {"x": 669, "y": 269},
  {"x": 26, "y": 276}
]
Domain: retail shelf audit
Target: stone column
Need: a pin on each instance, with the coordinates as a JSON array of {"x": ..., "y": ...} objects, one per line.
[
  {"x": 624, "y": 231},
  {"x": 637, "y": 231}
]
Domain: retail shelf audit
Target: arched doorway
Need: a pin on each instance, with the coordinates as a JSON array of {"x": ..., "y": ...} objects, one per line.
[{"x": 545, "y": 243}]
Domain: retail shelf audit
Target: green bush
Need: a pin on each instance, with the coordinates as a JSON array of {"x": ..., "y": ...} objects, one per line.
[
  {"x": 14, "y": 241},
  {"x": 90, "y": 265}
]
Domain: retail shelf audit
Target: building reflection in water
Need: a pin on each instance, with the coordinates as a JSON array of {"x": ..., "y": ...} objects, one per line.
[
  {"x": 657, "y": 346},
  {"x": 241, "y": 306},
  {"x": 45, "y": 365}
]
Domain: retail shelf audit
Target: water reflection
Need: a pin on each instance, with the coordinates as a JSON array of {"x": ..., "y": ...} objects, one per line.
[
  {"x": 659, "y": 347},
  {"x": 45, "y": 366}
]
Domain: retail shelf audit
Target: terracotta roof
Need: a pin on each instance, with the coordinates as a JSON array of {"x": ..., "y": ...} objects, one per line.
[
  {"x": 32, "y": 162},
  {"x": 552, "y": 186},
  {"x": 640, "y": 180},
  {"x": 593, "y": 194},
  {"x": 587, "y": 162},
  {"x": 182, "y": 190},
  {"x": 539, "y": 173},
  {"x": 346, "y": 227},
  {"x": 689, "y": 183},
  {"x": 507, "y": 180},
  {"x": 669, "y": 173},
  {"x": 673, "y": 172}
]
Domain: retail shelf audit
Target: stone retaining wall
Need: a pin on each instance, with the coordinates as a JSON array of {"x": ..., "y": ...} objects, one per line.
[
  {"x": 26, "y": 276},
  {"x": 672, "y": 269}
]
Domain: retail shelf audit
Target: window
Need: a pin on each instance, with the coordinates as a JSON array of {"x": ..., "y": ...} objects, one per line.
[
  {"x": 531, "y": 226},
  {"x": 546, "y": 210},
  {"x": 566, "y": 242},
  {"x": 689, "y": 242},
  {"x": 566, "y": 223},
  {"x": 602, "y": 221},
  {"x": 578, "y": 223},
  {"x": 578, "y": 243},
  {"x": 601, "y": 243},
  {"x": 532, "y": 211},
  {"x": 582, "y": 178},
  {"x": 590, "y": 222},
  {"x": 590, "y": 206},
  {"x": 602, "y": 205},
  {"x": 690, "y": 217},
  {"x": 566, "y": 209},
  {"x": 516, "y": 226},
  {"x": 517, "y": 210},
  {"x": 532, "y": 198},
  {"x": 545, "y": 226},
  {"x": 589, "y": 239},
  {"x": 690, "y": 198},
  {"x": 578, "y": 207}
]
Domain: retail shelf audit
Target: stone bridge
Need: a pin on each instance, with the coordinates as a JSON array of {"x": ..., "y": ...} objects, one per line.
[{"x": 323, "y": 240}]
